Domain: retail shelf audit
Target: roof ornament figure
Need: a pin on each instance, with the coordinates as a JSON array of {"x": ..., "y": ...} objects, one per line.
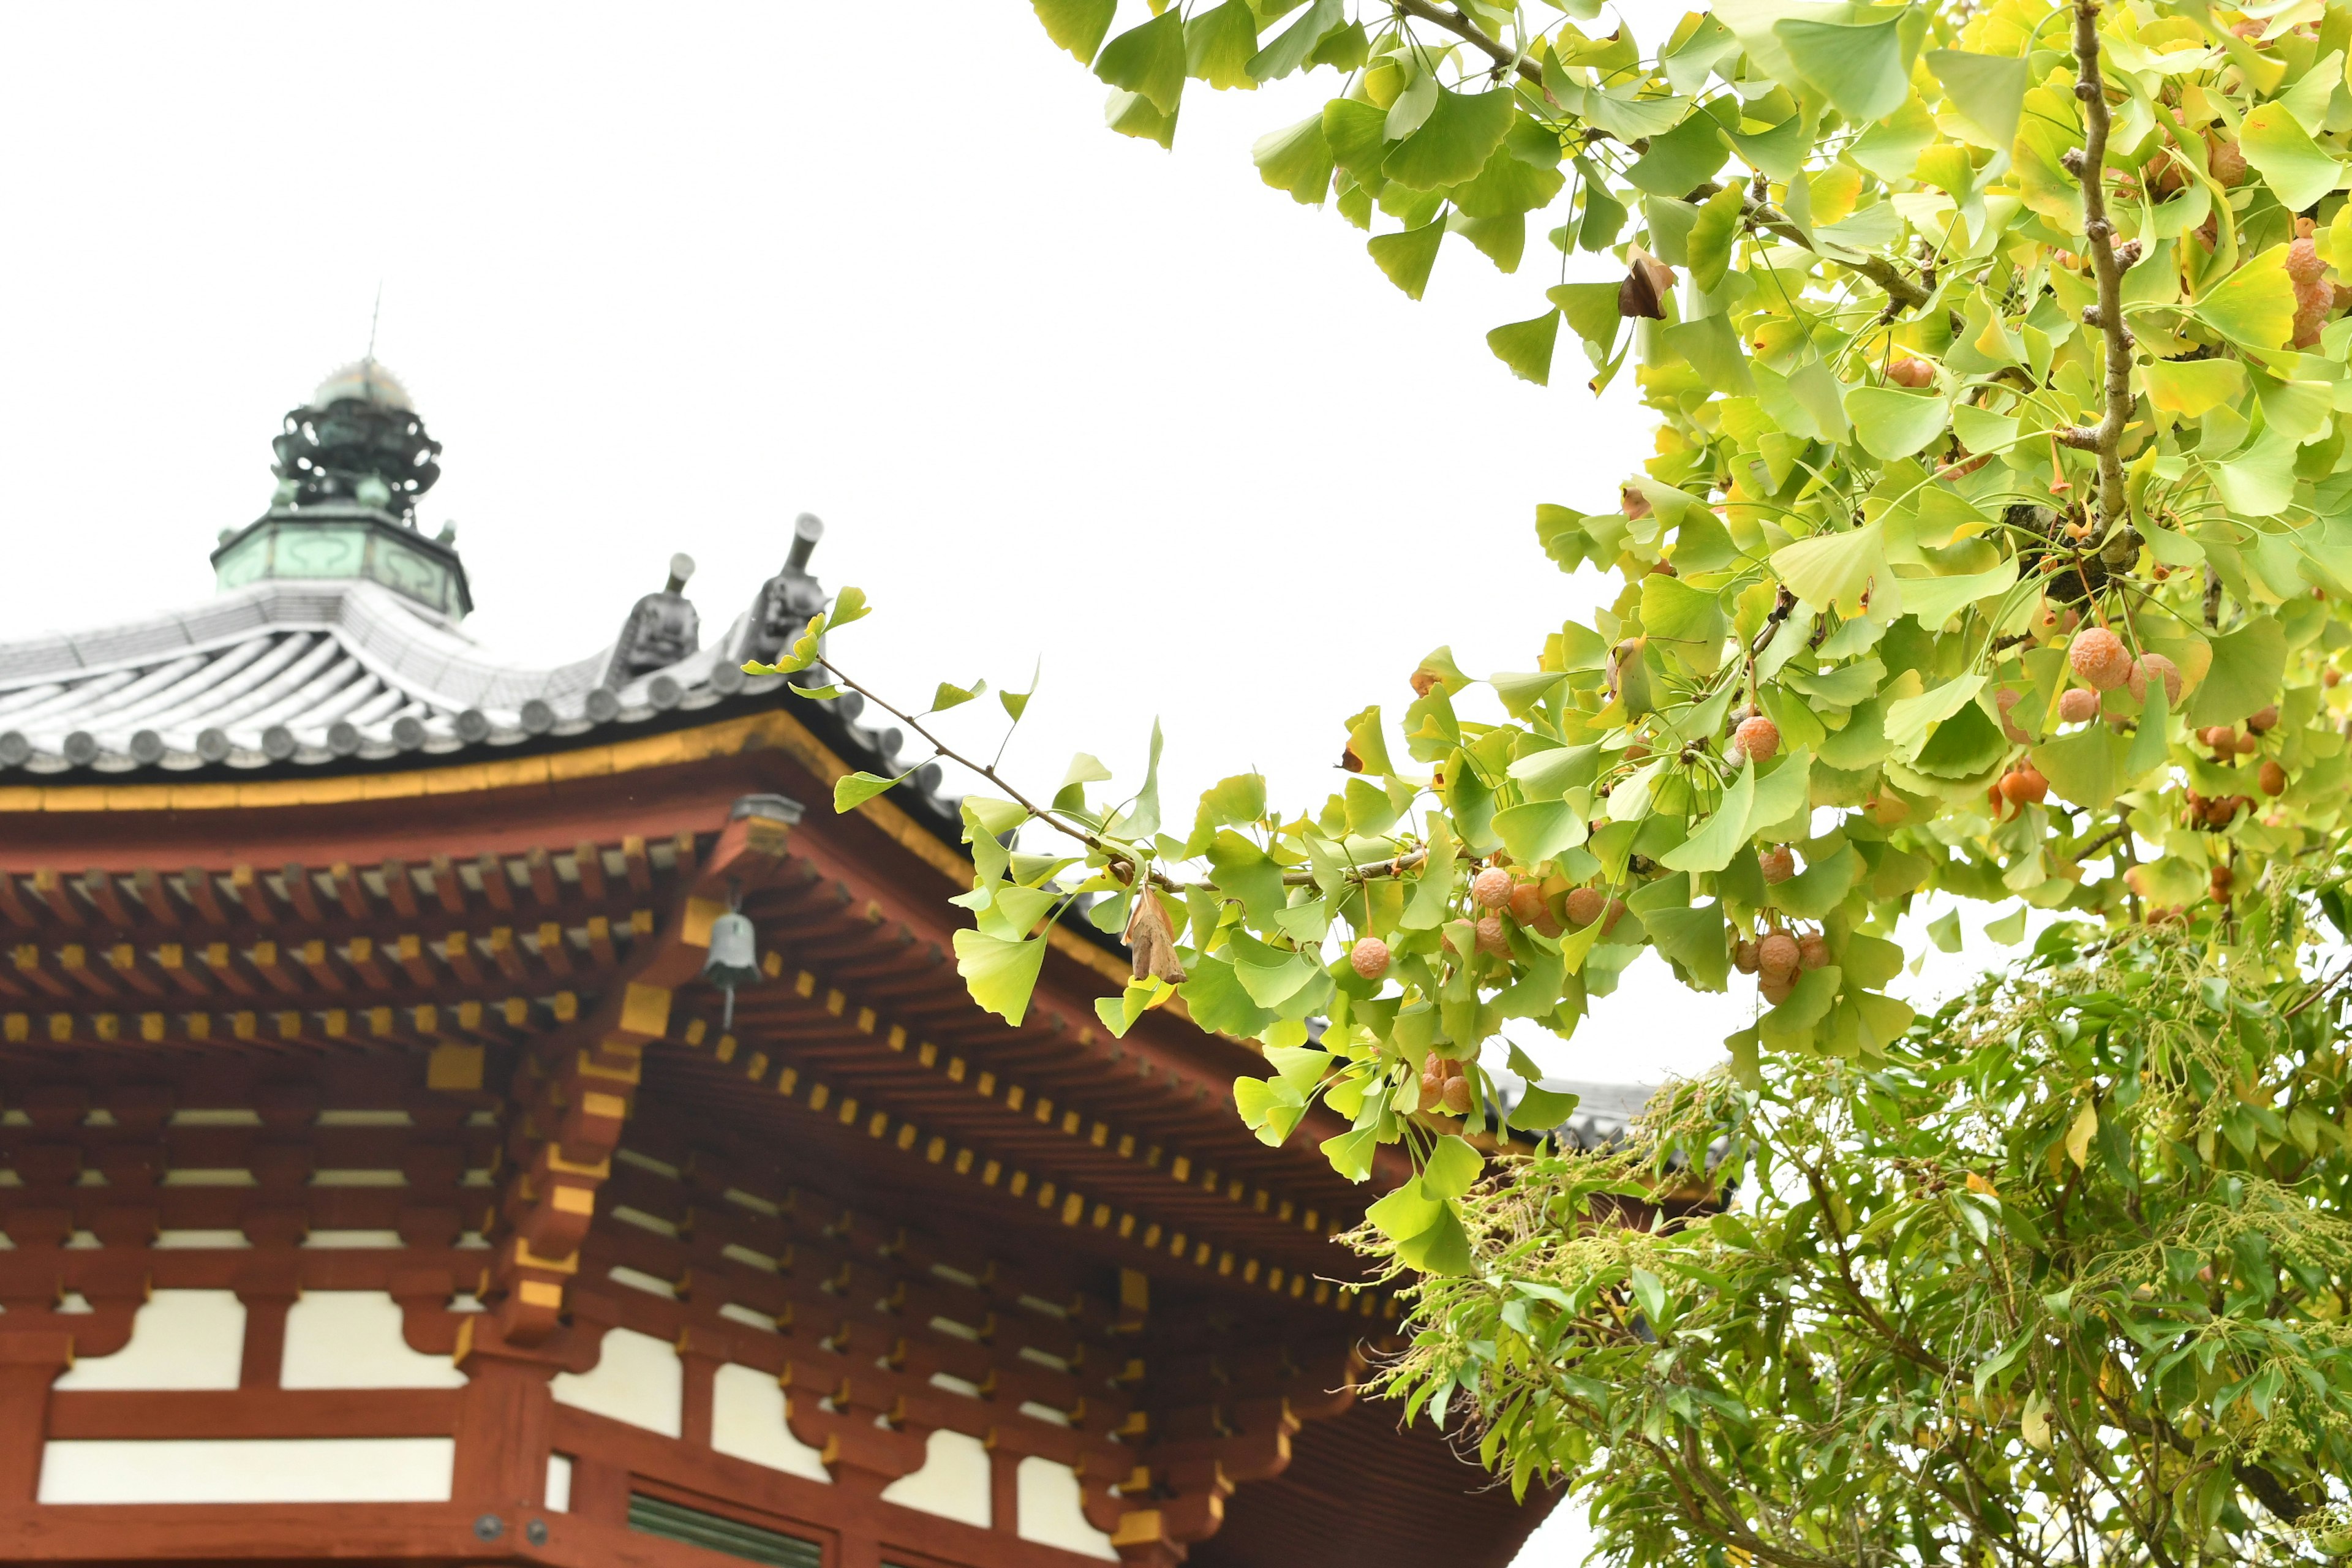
[
  {"x": 789, "y": 598},
  {"x": 662, "y": 629},
  {"x": 359, "y": 439}
]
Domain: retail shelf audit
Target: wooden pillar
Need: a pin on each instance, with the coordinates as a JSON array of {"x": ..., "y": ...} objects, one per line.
[
  {"x": 599, "y": 1491},
  {"x": 506, "y": 1419},
  {"x": 266, "y": 1287},
  {"x": 700, "y": 1355},
  {"x": 1003, "y": 1490},
  {"x": 29, "y": 1362}
]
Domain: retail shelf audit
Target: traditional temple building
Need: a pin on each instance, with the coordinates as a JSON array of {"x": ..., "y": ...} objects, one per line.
[{"x": 384, "y": 1176}]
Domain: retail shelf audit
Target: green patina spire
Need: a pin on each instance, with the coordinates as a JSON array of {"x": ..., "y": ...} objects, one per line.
[{"x": 352, "y": 465}]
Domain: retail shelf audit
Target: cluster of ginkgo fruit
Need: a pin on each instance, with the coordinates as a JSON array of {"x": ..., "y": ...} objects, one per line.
[{"x": 1777, "y": 956}]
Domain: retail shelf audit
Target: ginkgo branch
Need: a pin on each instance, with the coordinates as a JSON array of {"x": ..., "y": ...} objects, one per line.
[
  {"x": 1114, "y": 852},
  {"x": 2106, "y": 437}
]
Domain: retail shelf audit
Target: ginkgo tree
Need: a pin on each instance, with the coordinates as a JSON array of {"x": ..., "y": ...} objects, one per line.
[{"x": 1996, "y": 544}]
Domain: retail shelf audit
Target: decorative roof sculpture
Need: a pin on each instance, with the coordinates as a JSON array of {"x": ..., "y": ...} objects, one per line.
[{"x": 352, "y": 465}]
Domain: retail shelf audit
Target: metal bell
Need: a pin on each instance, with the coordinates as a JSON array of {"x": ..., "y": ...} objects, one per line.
[{"x": 734, "y": 957}]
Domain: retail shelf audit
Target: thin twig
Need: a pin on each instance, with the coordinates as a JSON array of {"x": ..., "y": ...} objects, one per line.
[{"x": 1395, "y": 867}]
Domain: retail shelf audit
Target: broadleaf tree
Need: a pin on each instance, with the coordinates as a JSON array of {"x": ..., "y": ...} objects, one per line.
[{"x": 1995, "y": 546}]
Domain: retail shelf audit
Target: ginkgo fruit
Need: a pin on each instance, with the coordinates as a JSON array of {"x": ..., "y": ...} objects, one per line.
[
  {"x": 1779, "y": 862},
  {"x": 1371, "y": 957},
  {"x": 1777, "y": 954},
  {"x": 1491, "y": 889},
  {"x": 2078, "y": 705},
  {"x": 2024, "y": 785},
  {"x": 1584, "y": 906},
  {"x": 2099, "y": 657},
  {"x": 2150, "y": 667},
  {"x": 1758, "y": 739}
]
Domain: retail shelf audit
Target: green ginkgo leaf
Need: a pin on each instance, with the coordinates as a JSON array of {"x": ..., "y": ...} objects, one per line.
[
  {"x": 1297, "y": 160},
  {"x": 2254, "y": 306},
  {"x": 854, "y": 790},
  {"x": 1294, "y": 45},
  {"x": 2297, "y": 170},
  {"x": 1078, "y": 26},
  {"x": 1833, "y": 568},
  {"x": 1000, "y": 973},
  {"x": 2244, "y": 676},
  {"x": 1987, "y": 91},
  {"x": 1407, "y": 256},
  {"x": 1527, "y": 346},
  {"x": 1148, "y": 60},
  {"x": 1858, "y": 66},
  {"x": 1453, "y": 143},
  {"x": 2190, "y": 387},
  {"x": 1721, "y": 835},
  {"x": 1892, "y": 424},
  {"x": 1220, "y": 43},
  {"x": 1714, "y": 235}
]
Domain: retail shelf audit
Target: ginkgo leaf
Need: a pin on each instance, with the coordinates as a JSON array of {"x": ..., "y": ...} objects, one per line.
[
  {"x": 1892, "y": 424},
  {"x": 1858, "y": 66},
  {"x": 854, "y": 790},
  {"x": 1148, "y": 60},
  {"x": 1835, "y": 568},
  {"x": 1452, "y": 144},
  {"x": 1527, "y": 346},
  {"x": 2297, "y": 170},
  {"x": 1988, "y": 91},
  {"x": 2253, "y": 306},
  {"x": 1297, "y": 160},
  {"x": 1001, "y": 973},
  {"x": 1078, "y": 26},
  {"x": 1408, "y": 257},
  {"x": 2244, "y": 675},
  {"x": 2190, "y": 387},
  {"x": 1722, "y": 834}
]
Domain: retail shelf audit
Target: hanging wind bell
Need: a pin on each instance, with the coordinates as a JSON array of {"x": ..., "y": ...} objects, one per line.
[{"x": 734, "y": 958}]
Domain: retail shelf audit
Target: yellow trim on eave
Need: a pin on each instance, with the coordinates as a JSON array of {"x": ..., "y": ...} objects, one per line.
[{"x": 776, "y": 728}]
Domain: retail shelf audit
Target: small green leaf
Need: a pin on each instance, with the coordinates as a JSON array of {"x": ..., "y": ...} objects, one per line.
[
  {"x": 1148, "y": 60},
  {"x": 1540, "y": 1109},
  {"x": 1892, "y": 424},
  {"x": 1407, "y": 256},
  {"x": 1714, "y": 236},
  {"x": 1078, "y": 26},
  {"x": 1293, "y": 46},
  {"x": 856, "y": 789},
  {"x": 1219, "y": 45},
  {"x": 1000, "y": 973},
  {"x": 2254, "y": 306},
  {"x": 1858, "y": 66},
  {"x": 1945, "y": 932},
  {"x": 2191, "y": 387},
  {"x": 1527, "y": 346},
  {"x": 2297, "y": 170},
  {"x": 1453, "y": 1169},
  {"x": 1988, "y": 91},
  {"x": 1453, "y": 143},
  {"x": 1297, "y": 160},
  {"x": 1132, "y": 114},
  {"x": 2009, "y": 930},
  {"x": 1722, "y": 836},
  {"x": 1834, "y": 569},
  {"x": 2244, "y": 677},
  {"x": 850, "y": 606},
  {"x": 950, "y": 696}
]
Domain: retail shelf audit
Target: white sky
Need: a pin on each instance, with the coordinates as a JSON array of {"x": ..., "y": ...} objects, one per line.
[{"x": 661, "y": 277}]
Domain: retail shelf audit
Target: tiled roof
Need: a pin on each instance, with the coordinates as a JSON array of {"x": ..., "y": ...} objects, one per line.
[{"x": 288, "y": 674}]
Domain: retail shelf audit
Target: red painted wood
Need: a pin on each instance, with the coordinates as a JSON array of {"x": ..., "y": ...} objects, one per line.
[{"x": 254, "y": 1413}]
